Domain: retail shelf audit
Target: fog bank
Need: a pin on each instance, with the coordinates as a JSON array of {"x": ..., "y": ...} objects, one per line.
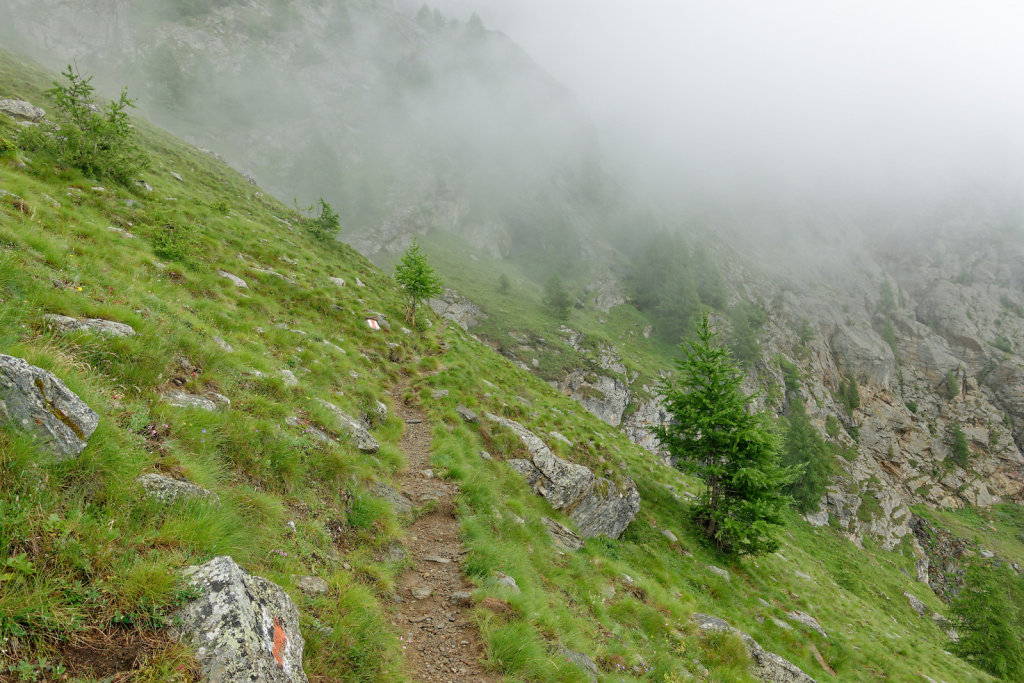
[{"x": 887, "y": 99}]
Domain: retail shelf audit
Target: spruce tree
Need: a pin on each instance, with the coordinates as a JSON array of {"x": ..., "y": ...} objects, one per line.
[{"x": 735, "y": 452}]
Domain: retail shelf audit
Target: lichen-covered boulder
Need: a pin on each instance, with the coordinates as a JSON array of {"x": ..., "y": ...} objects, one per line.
[
  {"x": 109, "y": 328},
  {"x": 40, "y": 403},
  {"x": 243, "y": 627},
  {"x": 561, "y": 482}
]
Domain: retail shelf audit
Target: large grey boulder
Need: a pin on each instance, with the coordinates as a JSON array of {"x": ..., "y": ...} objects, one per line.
[
  {"x": 597, "y": 505},
  {"x": 169, "y": 490},
  {"x": 20, "y": 109},
  {"x": 766, "y": 666},
  {"x": 63, "y": 323},
  {"x": 364, "y": 441},
  {"x": 243, "y": 627},
  {"x": 38, "y": 402}
]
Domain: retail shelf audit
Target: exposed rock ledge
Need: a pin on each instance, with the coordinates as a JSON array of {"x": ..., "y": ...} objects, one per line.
[
  {"x": 767, "y": 666},
  {"x": 595, "y": 504}
]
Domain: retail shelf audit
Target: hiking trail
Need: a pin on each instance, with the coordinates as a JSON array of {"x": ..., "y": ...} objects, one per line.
[{"x": 433, "y": 606}]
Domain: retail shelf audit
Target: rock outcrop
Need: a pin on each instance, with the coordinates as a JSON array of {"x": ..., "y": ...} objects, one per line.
[
  {"x": 22, "y": 110},
  {"x": 597, "y": 505},
  {"x": 39, "y": 403},
  {"x": 767, "y": 666},
  {"x": 361, "y": 436},
  {"x": 109, "y": 328},
  {"x": 453, "y": 306},
  {"x": 169, "y": 490},
  {"x": 243, "y": 627}
]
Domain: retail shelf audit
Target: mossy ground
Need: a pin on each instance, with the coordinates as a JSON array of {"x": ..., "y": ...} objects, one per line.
[{"x": 85, "y": 553}]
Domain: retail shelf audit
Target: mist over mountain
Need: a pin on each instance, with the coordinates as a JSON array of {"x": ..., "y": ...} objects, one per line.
[{"x": 839, "y": 187}]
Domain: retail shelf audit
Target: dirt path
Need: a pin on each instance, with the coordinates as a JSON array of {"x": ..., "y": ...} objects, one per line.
[{"x": 442, "y": 645}]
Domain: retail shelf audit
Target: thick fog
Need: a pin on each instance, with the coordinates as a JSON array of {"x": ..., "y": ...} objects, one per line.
[{"x": 849, "y": 97}]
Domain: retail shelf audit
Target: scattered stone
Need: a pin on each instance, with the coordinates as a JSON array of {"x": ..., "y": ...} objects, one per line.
[
  {"x": 235, "y": 280},
  {"x": 485, "y": 455},
  {"x": 428, "y": 473},
  {"x": 20, "y": 109},
  {"x": 562, "y": 536},
  {"x": 945, "y": 626},
  {"x": 177, "y": 177},
  {"x": 395, "y": 553},
  {"x": 223, "y": 344},
  {"x": 436, "y": 559},
  {"x": 359, "y": 283},
  {"x": 309, "y": 430},
  {"x": 558, "y": 436},
  {"x": 379, "y": 412},
  {"x": 402, "y": 505},
  {"x": 364, "y": 441},
  {"x": 462, "y": 598},
  {"x": 766, "y": 666},
  {"x": 421, "y": 592},
  {"x": 337, "y": 280},
  {"x": 220, "y": 399},
  {"x": 800, "y": 575},
  {"x": 669, "y": 535},
  {"x": 40, "y": 403},
  {"x": 915, "y": 603},
  {"x": 144, "y": 185},
  {"x": 179, "y": 399},
  {"x": 507, "y": 582},
  {"x": 807, "y": 620},
  {"x": 289, "y": 378},
  {"x": 781, "y": 624},
  {"x": 121, "y": 231},
  {"x": 109, "y": 328},
  {"x": 243, "y": 627},
  {"x": 439, "y": 393},
  {"x": 169, "y": 490},
  {"x": 582, "y": 661},
  {"x": 987, "y": 554},
  {"x": 311, "y": 585},
  {"x": 721, "y": 572},
  {"x": 467, "y": 414}
]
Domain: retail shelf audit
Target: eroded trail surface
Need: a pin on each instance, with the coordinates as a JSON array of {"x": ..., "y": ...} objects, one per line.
[{"x": 433, "y": 609}]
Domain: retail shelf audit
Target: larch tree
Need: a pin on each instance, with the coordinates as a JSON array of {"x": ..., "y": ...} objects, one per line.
[{"x": 417, "y": 279}]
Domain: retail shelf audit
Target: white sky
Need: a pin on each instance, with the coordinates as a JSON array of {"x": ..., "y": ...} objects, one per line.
[{"x": 812, "y": 94}]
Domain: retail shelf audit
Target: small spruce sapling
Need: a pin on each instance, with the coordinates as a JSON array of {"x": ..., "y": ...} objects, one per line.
[{"x": 417, "y": 279}]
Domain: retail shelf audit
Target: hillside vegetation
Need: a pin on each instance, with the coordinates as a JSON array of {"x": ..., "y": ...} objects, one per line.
[{"x": 92, "y": 566}]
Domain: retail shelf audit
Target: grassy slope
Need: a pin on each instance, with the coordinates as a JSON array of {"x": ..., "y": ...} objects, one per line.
[{"x": 103, "y": 559}]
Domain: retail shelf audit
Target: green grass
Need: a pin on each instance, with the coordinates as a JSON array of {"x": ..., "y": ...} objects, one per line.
[{"x": 102, "y": 558}]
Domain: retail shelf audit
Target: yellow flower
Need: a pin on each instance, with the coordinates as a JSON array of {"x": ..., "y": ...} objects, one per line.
[{"x": 79, "y": 289}]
